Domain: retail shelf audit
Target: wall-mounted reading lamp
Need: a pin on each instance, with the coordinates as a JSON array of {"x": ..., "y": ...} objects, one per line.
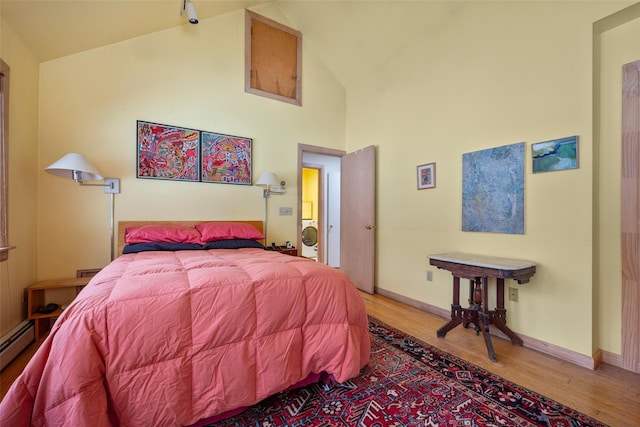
[
  {"x": 79, "y": 169},
  {"x": 190, "y": 9},
  {"x": 271, "y": 185}
]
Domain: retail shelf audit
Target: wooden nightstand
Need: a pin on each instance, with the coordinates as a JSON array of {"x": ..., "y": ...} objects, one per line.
[
  {"x": 284, "y": 250},
  {"x": 35, "y": 300}
]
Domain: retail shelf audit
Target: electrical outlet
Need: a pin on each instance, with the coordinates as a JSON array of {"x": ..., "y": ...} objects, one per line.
[
  {"x": 429, "y": 276},
  {"x": 286, "y": 211},
  {"x": 513, "y": 294}
]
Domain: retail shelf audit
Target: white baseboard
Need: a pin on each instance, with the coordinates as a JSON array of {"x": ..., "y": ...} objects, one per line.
[{"x": 16, "y": 340}]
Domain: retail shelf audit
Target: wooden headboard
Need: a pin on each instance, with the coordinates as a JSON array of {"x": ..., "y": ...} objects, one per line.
[{"x": 122, "y": 226}]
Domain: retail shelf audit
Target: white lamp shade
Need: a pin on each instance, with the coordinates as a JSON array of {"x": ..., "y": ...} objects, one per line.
[
  {"x": 268, "y": 179},
  {"x": 74, "y": 162}
]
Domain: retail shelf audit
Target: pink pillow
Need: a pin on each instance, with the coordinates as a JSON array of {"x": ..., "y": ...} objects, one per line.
[
  {"x": 212, "y": 231},
  {"x": 161, "y": 233}
]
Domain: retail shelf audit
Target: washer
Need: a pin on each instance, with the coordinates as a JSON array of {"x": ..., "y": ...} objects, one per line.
[{"x": 310, "y": 239}]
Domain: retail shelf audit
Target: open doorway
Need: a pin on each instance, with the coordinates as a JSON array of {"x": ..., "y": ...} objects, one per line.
[
  {"x": 319, "y": 203},
  {"x": 312, "y": 204},
  {"x": 348, "y": 202}
]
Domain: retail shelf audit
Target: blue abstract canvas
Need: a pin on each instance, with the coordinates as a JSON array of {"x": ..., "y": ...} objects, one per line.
[{"x": 493, "y": 190}]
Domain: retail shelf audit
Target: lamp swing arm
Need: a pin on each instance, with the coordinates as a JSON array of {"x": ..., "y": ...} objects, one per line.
[
  {"x": 111, "y": 185},
  {"x": 268, "y": 190}
]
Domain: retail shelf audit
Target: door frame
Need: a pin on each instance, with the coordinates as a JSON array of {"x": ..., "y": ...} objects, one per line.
[
  {"x": 312, "y": 149},
  {"x": 629, "y": 328},
  {"x": 630, "y": 232}
]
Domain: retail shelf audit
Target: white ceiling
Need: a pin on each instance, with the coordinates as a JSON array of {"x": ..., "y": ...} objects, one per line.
[{"x": 351, "y": 36}]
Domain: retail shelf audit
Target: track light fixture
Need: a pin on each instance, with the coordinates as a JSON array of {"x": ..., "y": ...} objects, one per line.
[{"x": 190, "y": 9}]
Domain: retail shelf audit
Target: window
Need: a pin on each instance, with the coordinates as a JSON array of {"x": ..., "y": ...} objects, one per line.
[
  {"x": 4, "y": 160},
  {"x": 273, "y": 59}
]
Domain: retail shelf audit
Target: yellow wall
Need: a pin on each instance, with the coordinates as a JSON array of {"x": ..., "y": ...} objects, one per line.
[
  {"x": 310, "y": 189},
  {"x": 191, "y": 76},
  {"x": 619, "y": 46},
  {"x": 498, "y": 73},
  {"x": 20, "y": 270}
]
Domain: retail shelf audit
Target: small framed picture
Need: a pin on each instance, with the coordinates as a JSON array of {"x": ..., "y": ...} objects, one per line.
[
  {"x": 559, "y": 154},
  {"x": 427, "y": 176}
]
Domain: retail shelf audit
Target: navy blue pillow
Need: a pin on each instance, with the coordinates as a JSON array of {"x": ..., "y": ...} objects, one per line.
[
  {"x": 233, "y": 244},
  {"x": 159, "y": 246}
]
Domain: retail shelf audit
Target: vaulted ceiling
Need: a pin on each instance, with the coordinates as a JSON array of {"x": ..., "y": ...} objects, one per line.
[{"x": 350, "y": 36}]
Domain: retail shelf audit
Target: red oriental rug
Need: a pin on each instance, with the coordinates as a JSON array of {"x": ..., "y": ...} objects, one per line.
[{"x": 411, "y": 383}]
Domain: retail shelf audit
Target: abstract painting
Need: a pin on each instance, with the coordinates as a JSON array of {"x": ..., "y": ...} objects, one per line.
[
  {"x": 226, "y": 159},
  {"x": 493, "y": 190},
  {"x": 167, "y": 152},
  {"x": 556, "y": 155}
]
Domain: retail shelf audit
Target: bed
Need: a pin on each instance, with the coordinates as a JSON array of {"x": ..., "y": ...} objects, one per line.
[{"x": 170, "y": 334}]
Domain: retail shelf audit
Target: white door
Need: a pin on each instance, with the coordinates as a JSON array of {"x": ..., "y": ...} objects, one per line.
[{"x": 357, "y": 217}]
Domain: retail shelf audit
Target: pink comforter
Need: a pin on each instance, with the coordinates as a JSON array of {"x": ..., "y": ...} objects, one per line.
[{"x": 170, "y": 338}]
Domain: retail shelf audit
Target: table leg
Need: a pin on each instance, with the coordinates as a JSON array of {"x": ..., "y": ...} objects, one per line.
[
  {"x": 499, "y": 319},
  {"x": 456, "y": 319},
  {"x": 456, "y": 290},
  {"x": 485, "y": 319},
  {"x": 475, "y": 304},
  {"x": 487, "y": 337},
  {"x": 465, "y": 324},
  {"x": 500, "y": 292},
  {"x": 499, "y": 316},
  {"x": 456, "y": 310}
]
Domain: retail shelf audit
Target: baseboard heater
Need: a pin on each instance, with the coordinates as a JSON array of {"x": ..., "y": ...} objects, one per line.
[{"x": 12, "y": 343}]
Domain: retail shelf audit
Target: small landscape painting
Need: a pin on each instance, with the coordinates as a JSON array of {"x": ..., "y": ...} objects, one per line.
[{"x": 559, "y": 154}]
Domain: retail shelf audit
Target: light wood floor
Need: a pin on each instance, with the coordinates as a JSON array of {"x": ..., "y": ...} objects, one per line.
[{"x": 609, "y": 394}]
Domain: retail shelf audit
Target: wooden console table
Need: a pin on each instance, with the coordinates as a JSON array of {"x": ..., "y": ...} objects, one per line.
[{"x": 478, "y": 269}]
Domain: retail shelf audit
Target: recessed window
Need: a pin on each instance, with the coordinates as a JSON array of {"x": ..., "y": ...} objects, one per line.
[{"x": 273, "y": 59}]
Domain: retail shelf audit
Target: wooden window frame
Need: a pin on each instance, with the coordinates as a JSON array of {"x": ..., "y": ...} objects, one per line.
[
  {"x": 253, "y": 65},
  {"x": 4, "y": 160}
]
